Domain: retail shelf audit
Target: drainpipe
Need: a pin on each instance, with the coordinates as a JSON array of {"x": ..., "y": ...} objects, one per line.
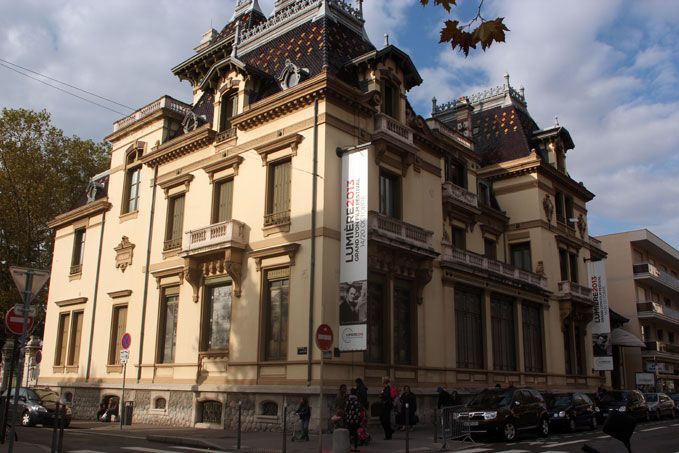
[
  {"x": 94, "y": 297},
  {"x": 146, "y": 273},
  {"x": 312, "y": 261}
]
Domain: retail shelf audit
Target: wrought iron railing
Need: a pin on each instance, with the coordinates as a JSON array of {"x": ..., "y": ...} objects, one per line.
[
  {"x": 658, "y": 308},
  {"x": 76, "y": 269},
  {"x": 171, "y": 244},
  {"x": 658, "y": 274},
  {"x": 226, "y": 134}
]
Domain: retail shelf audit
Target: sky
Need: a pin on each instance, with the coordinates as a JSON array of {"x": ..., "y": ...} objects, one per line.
[{"x": 607, "y": 69}]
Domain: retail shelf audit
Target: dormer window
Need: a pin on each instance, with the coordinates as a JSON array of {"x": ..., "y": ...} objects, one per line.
[
  {"x": 389, "y": 99},
  {"x": 229, "y": 108},
  {"x": 292, "y": 75}
]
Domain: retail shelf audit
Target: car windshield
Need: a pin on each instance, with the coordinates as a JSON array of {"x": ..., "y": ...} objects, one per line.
[
  {"x": 614, "y": 397},
  {"x": 491, "y": 398},
  {"x": 557, "y": 400},
  {"x": 652, "y": 397},
  {"x": 47, "y": 396}
]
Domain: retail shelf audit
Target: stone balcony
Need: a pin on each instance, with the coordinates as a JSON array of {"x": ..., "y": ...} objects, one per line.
[
  {"x": 456, "y": 193},
  {"x": 658, "y": 312},
  {"x": 402, "y": 235},
  {"x": 164, "y": 103},
  {"x": 571, "y": 290},
  {"x": 497, "y": 270},
  {"x": 384, "y": 124},
  {"x": 655, "y": 277},
  {"x": 228, "y": 234}
]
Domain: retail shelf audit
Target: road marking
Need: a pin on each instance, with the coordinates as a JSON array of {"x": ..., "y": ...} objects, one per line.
[
  {"x": 514, "y": 451},
  {"x": 474, "y": 450},
  {"x": 147, "y": 450},
  {"x": 676, "y": 424},
  {"x": 565, "y": 443},
  {"x": 85, "y": 451},
  {"x": 198, "y": 449},
  {"x": 653, "y": 429},
  {"x": 603, "y": 437}
]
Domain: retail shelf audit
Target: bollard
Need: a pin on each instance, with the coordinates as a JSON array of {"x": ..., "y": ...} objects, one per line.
[
  {"x": 341, "y": 441},
  {"x": 285, "y": 427},
  {"x": 240, "y": 414},
  {"x": 62, "y": 414},
  {"x": 407, "y": 428},
  {"x": 55, "y": 427}
]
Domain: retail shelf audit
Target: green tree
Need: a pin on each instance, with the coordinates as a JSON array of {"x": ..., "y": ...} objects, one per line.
[
  {"x": 478, "y": 30},
  {"x": 43, "y": 173}
]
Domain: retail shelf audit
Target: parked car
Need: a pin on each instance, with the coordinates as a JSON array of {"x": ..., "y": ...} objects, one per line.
[
  {"x": 659, "y": 404},
  {"x": 597, "y": 408},
  {"x": 571, "y": 410},
  {"x": 675, "y": 398},
  {"x": 506, "y": 412},
  {"x": 632, "y": 402},
  {"x": 37, "y": 406}
]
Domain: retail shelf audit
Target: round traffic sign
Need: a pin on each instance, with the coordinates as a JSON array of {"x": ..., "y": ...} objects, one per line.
[
  {"x": 38, "y": 357},
  {"x": 126, "y": 340},
  {"x": 15, "y": 322},
  {"x": 324, "y": 337}
]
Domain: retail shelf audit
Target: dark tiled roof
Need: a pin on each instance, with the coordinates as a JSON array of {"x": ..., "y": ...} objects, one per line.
[
  {"x": 205, "y": 106},
  {"x": 502, "y": 134},
  {"x": 247, "y": 20}
]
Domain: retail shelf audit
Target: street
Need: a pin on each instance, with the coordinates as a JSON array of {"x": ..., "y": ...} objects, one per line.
[{"x": 92, "y": 437}]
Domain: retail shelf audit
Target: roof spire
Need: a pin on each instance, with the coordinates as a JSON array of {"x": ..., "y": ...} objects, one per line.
[
  {"x": 386, "y": 39},
  {"x": 507, "y": 80},
  {"x": 556, "y": 121}
]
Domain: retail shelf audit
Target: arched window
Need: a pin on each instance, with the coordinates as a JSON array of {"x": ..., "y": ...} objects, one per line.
[
  {"x": 229, "y": 108},
  {"x": 160, "y": 403}
]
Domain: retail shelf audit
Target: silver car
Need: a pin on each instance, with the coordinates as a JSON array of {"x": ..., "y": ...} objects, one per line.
[{"x": 659, "y": 405}]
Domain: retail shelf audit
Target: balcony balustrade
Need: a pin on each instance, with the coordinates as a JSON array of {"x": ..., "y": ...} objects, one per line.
[
  {"x": 648, "y": 270},
  {"x": 400, "y": 230},
  {"x": 171, "y": 244},
  {"x": 226, "y": 134},
  {"x": 661, "y": 346},
  {"x": 230, "y": 233},
  {"x": 568, "y": 288},
  {"x": 656, "y": 308},
  {"x": 458, "y": 193},
  {"x": 76, "y": 269},
  {"x": 480, "y": 262},
  {"x": 277, "y": 218},
  {"x": 393, "y": 128},
  {"x": 166, "y": 102}
]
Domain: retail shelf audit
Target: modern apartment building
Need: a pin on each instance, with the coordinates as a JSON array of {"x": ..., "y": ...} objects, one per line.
[
  {"x": 214, "y": 238},
  {"x": 643, "y": 286}
]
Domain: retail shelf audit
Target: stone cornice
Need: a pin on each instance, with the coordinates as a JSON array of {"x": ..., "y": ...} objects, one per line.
[
  {"x": 180, "y": 146},
  {"x": 168, "y": 183},
  {"x": 287, "y": 141},
  {"x": 119, "y": 294},
  {"x": 90, "y": 209},
  {"x": 233, "y": 161},
  {"x": 70, "y": 302}
]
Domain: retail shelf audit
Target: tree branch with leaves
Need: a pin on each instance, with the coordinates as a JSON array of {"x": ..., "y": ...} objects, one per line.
[{"x": 478, "y": 31}]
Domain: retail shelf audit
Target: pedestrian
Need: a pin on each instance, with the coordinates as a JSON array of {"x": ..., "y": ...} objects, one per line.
[
  {"x": 445, "y": 398},
  {"x": 362, "y": 393},
  {"x": 387, "y": 407},
  {"x": 352, "y": 417},
  {"x": 341, "y": 398},
  {"x": 304, "y": 413},
  {"x": 407, "y": 409}
]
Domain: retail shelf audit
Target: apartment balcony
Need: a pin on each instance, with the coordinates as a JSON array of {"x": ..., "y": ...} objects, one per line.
[
  {"x": 659, "y": 279},
  {"x": 401, "y": 235},
  {"x": 661, "y": 350},
  {"x": 571, "y": 290},
  {"x": 225, "y": 135},
  {"x": 166, "y": 103},
  {"x": 172, "y": 244},
  {"x": 469, "y": 262},
  {"x": 215, "y": 237},
  {"x": 459, "y": 203},
  {"x": 384, "y": 124},
  {"x": 658, "y": 312}
]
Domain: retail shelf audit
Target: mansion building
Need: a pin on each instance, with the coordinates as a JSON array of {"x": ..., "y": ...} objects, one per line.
[{"x": 214, "y": 237}]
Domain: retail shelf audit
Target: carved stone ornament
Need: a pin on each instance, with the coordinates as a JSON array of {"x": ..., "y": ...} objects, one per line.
[
  {"x": 124, "y": 252},
  {"x": 292, "y": 75},
  {"x": 540, "y": 268},
  {"x": 582, "y": 225},
  {"x": 548, "y": 206}
]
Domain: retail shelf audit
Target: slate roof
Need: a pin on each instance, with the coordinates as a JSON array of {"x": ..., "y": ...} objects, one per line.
[
  {"x": 502, "y": 134},
  {"x": 247, "y": 20}
]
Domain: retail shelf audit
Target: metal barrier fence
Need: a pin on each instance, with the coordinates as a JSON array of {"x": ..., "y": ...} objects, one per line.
[{"x": 450, "y": 428}]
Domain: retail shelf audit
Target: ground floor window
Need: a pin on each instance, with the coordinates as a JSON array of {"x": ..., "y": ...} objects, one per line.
[
  {"x": 217, "y": 317},
  {"x": 276, "y": 299},
  {"x": 504, "y": 335},
  {"x": 211, "y": 412},
  {"x": 532, "y": 338},
  {"x": 118, "y": 328},
  {"x": 377, "y": 340},
  {"x": 405, "y": 314},
  {"x": 167, "y": 336},
  {"x": 469, "y": 327}
]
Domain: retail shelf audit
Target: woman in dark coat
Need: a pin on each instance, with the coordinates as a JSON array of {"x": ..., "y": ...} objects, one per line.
[
  {"x": 407, "y": 397},
  {"x": 387, "y": 407},
  {"x": 362, "y": 393}
]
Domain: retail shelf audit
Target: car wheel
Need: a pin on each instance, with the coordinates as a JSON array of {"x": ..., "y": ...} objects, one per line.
[
  {"x": 509, "y": 431},
  {"x": 594, "y": 424},
  {"x": 648, "y": 416},
  {"x": 26, "y": 419},
  {"x": 543, "y": 427},
  {"x": 571, "y": 425}
]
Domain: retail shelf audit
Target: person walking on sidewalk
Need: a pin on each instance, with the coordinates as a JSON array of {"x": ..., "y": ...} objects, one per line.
[
  {"x": 304, "y": 412},
  {"x": 387, "y": 407},
  {"x": 362, "y": 393}
]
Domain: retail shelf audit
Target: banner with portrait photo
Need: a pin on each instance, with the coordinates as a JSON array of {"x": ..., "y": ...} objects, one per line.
[
  {"x": 353, "y": 300},
  {"x": 601, "y": 326}
]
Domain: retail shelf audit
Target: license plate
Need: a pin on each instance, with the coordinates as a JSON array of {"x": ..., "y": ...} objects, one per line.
[{"x": 471, "y": 423}]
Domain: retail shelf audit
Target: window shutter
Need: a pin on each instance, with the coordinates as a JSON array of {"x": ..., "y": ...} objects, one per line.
[
  {"x": 225, "y": 200},
  {"x": 63, "y": 336},
  {"x": 281, "y": 188},
  {"x": 76, "y": 335},
  {"x": 177, "y": 217}
]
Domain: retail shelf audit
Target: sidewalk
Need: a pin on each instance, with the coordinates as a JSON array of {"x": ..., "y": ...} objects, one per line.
[{"x": 421, "y": 439}]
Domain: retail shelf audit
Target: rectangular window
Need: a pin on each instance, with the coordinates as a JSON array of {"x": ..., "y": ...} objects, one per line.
[
  {"x": 132, "y": 182},
  {"x": 405, "y": 319},
  {"x": 490, "y": 249},
  {"x": 559, "y": 207},
  {"x": 169, "y": 306},
  {"x": 175, "y": 222},
  {"x": 223, "y": 201},
  {"x": 659, "y": 335},
  {"x": 484, "y": 194},
  {"x": 459, "y": 238},
  {"x": 389, "y": 99},
  {"x": 455, "y": 172},
  {"x": 563, "y": 264},
  {"x": 78, "y": 251},
  {"x": 468, "y": 326},
  {"x": 229, "y": 108},
  {"x": 377, "y": 339},
  {"x": 278, "y": 201},
  {"x": 276, "y": 298},
  {"x": 62, "y": 339},
  {"x": 670, "y": 337},
  {"x": 390, "y": 195},
  {"x": 573, "y": 266},
  {"x": 532, "y": 338},
  {"x": 118, "y": 326},
  {"x": 502, "y": 323},
  {"x": 520, "y": 254},
  {"x": 216, "y": 318},
  {"x": 74, "y": 342},
  {"x": 568, "y": 346},
  {"x": 570, "y": 213}
]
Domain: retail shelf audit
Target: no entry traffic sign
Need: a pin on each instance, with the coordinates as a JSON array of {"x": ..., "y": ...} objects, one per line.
[
  {"x": 324, "y": 337},
  {"x": 126, "y": 340},
  {"x": 15, "y": 322}
]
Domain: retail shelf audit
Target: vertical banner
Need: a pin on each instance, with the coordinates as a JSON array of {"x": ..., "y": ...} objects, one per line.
[
  {"x": 353, "y": 284},
  {"x": 601, "y": 326}
]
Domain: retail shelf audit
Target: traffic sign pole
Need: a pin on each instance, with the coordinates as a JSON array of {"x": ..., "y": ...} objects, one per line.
[{"x": 125, "y": 342}]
